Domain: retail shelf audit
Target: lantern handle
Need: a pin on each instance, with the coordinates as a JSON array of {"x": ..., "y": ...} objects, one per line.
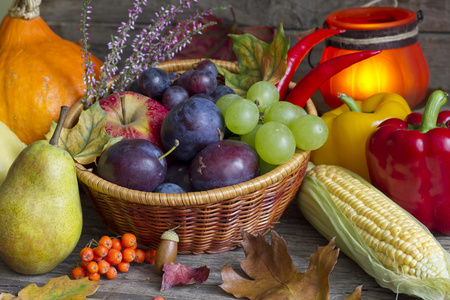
[
  {"x": 376, "y": 1},
  {"x": 419, "y": 16}
]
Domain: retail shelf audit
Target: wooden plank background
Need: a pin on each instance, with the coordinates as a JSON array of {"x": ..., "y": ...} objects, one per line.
[{"x": 296, "y": 15}]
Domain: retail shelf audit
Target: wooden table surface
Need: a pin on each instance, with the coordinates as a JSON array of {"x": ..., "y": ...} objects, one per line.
[{"x": 141, "y": 281}]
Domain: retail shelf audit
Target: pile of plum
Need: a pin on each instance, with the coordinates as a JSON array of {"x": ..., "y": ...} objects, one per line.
[{"x": 198, "y": 151}]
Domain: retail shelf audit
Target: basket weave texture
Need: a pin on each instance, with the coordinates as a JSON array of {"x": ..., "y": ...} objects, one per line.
[{"x": 209, "y": 221}]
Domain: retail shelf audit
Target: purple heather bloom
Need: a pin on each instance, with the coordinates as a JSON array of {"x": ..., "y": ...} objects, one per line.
[{"x": 149, "y": 47}]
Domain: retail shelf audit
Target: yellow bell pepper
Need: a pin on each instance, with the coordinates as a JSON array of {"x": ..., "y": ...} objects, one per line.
[{"x": 351, "y": 124}]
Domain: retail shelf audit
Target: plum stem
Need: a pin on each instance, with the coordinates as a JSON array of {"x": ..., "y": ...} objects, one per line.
[{"x": 177, "y": 142}]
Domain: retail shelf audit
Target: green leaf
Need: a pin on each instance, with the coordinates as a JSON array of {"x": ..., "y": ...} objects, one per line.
[
  {"x": 88, "y": 138},
  {"x": 60, "y": 288},
  {"x": 258, "y": 61}
]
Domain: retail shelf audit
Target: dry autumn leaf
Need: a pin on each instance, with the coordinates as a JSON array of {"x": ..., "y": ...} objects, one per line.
[
  {"x": 176, "y": 273},
  {"x": 258, "y": 61},
  {"x": 59, "y": 288},
  {"x": 275, "y": 275},
  {"x": 88, "y": 138}
]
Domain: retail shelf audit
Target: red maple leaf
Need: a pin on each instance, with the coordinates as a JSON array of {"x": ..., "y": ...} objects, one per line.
[{"x": 176, "y": 273}]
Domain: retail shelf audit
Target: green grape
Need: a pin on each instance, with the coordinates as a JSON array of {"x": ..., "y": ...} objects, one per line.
[
  {"x": 249, "y": 138},
  {"x": 310, "y": 132},
  {"x": 283, "y": 112},
  {"x": 233, "y": 137},
  {"x": 275, "y": 143},
  {"x": 265, "y": 167},
  {"x": 264, "y": 93},
  {"x": 241, "y": 116},
  {"x": 225, "y": 101}
]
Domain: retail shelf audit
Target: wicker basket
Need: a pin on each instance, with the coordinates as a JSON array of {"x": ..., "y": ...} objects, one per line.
[{"x": 209, "y": 221}]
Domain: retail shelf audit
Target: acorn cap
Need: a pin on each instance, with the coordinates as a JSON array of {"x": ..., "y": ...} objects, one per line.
[{"x": 170, "y": 235}]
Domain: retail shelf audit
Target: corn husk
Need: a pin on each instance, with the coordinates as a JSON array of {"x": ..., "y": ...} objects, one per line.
[{"x": 325, "y": 216}]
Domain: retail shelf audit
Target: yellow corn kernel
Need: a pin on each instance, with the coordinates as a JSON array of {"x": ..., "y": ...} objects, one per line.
[{"x": 399, "y": 243}]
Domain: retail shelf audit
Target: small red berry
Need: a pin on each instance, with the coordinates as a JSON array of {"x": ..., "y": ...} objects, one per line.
[
  {"x": 112, "y": 273},
  {"x": 94, "y": 276},
  {"x": 103, "y": 266},
  {"x": 129, "y": 240},
  {"x": 114, "y": 256},
  {"x": 87, "y": 254},
  {"x": 123, "y": 267},
  {"x": 101, "y": 251},
  {"x": 140, "y": 256},
  {"x": 116, "y": 244},
  {"x": 78, "y": 273},
  {"x": 105, "y": 241},
  {"x": 128, "y": 254},
  {"x": 150, "y": 256}
]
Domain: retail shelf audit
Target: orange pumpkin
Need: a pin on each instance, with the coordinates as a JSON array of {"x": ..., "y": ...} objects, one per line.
[{"x": 39, "y": 72}]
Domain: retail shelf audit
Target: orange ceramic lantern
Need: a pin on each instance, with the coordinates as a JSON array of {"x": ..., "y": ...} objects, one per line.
[{"x": 400, "y": 68}]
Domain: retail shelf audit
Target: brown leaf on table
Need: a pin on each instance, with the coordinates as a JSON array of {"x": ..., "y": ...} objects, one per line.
[
  {"x": 214, "y": 41},
  {"x": 88, "y": 138},
  {"x": 356, "y": 295},
  {"x": 274, "y": 275},
  {"x": 60, "y": 288},
  {"x": 176, "y": 273}
]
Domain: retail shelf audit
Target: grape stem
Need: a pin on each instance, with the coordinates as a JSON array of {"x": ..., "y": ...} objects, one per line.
[{"x": 261, "y": 118}]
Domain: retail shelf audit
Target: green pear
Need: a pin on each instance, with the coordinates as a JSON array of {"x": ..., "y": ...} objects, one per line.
[{"x": 40, "y": 207}]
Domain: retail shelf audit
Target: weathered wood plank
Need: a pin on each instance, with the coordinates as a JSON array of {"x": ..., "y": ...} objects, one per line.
[{"x": 297, "y": 16}]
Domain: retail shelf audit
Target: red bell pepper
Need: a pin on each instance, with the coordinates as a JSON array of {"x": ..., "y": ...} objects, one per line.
[{"x": 409, "y": 161}]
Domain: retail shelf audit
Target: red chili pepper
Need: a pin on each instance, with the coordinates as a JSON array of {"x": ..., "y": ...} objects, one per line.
[
  {"x": 311, "y": 82},
  {"x": 409, "y": 162},
  {"x": 296, "y": 54}
]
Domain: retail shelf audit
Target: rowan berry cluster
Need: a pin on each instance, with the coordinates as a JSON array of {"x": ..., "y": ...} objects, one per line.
[{"x": 109, "y": 256}]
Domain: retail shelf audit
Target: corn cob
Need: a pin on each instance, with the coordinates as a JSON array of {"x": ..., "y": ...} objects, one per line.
[{"x": 384, "y": 239}]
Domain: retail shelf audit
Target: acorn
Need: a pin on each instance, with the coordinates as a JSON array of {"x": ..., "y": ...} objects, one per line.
[{"x": 167, "y": 249}]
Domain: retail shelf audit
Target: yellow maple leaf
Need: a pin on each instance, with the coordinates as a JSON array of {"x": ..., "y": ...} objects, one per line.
[{"x": 59, "y": 288}]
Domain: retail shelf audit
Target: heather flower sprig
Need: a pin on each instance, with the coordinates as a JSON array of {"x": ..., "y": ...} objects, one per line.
[
  {"x": 149, "y": 47},
  {"x": 117, "y": 44},
  {"x": 89, "y": 75}
]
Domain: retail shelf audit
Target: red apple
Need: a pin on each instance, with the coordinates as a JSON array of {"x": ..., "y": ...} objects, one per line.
[{"x": 133, "y": 115}]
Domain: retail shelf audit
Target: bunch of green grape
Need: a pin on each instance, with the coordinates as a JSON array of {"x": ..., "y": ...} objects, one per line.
[{"x": 273, "y": 128}]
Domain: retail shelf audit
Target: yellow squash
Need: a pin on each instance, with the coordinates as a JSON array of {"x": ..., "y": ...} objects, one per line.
[{"x": 10, "y": 147}]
